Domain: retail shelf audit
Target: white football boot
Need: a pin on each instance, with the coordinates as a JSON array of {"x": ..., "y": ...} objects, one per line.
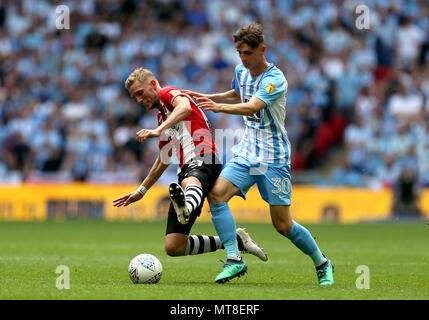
[{"x": 250, "y": 246}]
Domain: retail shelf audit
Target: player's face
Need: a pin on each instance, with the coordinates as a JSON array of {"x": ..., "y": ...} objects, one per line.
[
  {"x": 145, "y": 93},
  {"x": 250, "y": 57}
]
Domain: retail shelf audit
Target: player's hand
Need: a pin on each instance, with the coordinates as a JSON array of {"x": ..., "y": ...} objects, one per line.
[
  {"x": 145, "y": 134},
  {"x": 208, "y": 105},
  {"x": 127, "y": 199},
  {"x": 193, "y": 94}
]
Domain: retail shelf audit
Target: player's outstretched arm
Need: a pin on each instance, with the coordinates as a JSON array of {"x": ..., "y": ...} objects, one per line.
[
  {"x": 127, "y": 199},
  {"x": 230, "y": 96},
  {"x": 182, "y": 109},
  {"x": 245, "y": 109},
  {"x": 155, "y": 173}
]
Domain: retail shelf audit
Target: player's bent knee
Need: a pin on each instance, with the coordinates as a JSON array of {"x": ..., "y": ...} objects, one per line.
[
  {"x": 215, "y": 196},
  {"x": 222, "y": 191},
  {"x": 212, "y": 197},
  {"x": 283, "y": 227},
  {"x": 280, "y": 229},
  {"x": 281, "y": 218},
  {"x": 191, "y": 180},
  {"x": 174, "y": 248}
]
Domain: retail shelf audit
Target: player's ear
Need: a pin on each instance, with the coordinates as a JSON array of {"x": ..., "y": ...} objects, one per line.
[
  {"x": 263, "y": 47},
  {"x": 153, "y": 82}
]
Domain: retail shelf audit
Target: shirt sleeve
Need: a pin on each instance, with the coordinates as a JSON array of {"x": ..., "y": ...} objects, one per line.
[
  {"x": 167, "y": 95},
  {"x": 234, "y": 83},
  {"x": 163, "y": 141},
  {"x": 271, "y": 88}
]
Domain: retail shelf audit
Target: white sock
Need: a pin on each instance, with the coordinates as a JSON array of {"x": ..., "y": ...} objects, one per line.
[{"x": 235, "y": 257}]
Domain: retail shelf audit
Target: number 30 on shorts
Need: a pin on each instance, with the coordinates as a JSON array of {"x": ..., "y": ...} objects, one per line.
[{"x": 282, "y": 185}]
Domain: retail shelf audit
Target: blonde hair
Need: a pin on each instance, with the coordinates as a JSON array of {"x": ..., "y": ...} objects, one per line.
[{"x": 139, "y": 74}]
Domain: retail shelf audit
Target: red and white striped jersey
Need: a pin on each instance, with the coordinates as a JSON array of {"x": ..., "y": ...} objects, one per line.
[{"x": 190, "y": 137}]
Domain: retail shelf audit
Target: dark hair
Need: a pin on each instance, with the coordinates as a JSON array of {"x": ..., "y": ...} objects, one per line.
[{"x": 250, "y": 34}]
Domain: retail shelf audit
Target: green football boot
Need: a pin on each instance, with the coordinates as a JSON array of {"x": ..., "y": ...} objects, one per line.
[
  {"x": 325, "y": 273},
  {"x": 231, "y": 270}
]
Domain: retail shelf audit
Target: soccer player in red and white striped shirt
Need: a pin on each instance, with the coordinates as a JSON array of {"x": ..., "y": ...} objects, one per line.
[{"x": 183, "y": 127}]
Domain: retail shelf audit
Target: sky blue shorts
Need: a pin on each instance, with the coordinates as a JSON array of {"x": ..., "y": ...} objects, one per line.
[{"x": 273, "y": 181}]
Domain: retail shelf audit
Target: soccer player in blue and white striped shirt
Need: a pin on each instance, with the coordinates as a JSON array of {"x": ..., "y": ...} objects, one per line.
[{"x": 263, "y": 155}]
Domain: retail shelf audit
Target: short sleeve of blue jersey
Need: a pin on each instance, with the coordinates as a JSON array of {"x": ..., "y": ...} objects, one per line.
[
  {"x": 235, "y": 85},
  {"x": 271, "y": 88}
]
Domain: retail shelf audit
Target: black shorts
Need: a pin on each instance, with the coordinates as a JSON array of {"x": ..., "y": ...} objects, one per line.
[{"x": 207, "y": 175}]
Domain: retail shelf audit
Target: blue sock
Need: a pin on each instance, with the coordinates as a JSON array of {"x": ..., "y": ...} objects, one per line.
[
  {"x": 302, "y": 238},
  {"x": 224, "y": 224}
]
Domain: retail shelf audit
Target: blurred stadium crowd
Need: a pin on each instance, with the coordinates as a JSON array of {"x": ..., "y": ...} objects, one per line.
[{"x": 66, "y": 116}]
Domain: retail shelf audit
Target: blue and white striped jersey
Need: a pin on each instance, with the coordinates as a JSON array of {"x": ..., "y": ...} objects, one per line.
[{"x": 265, "y": 138}]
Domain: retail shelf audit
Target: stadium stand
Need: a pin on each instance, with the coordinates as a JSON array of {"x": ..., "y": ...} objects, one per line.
[{"x": 66, "y": 116}]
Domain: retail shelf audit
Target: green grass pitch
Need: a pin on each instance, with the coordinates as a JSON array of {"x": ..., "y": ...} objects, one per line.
[{"x": 98, "y": 253}]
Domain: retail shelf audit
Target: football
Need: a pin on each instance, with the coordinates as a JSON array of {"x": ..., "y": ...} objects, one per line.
[{"x": 145, "y": 268}]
